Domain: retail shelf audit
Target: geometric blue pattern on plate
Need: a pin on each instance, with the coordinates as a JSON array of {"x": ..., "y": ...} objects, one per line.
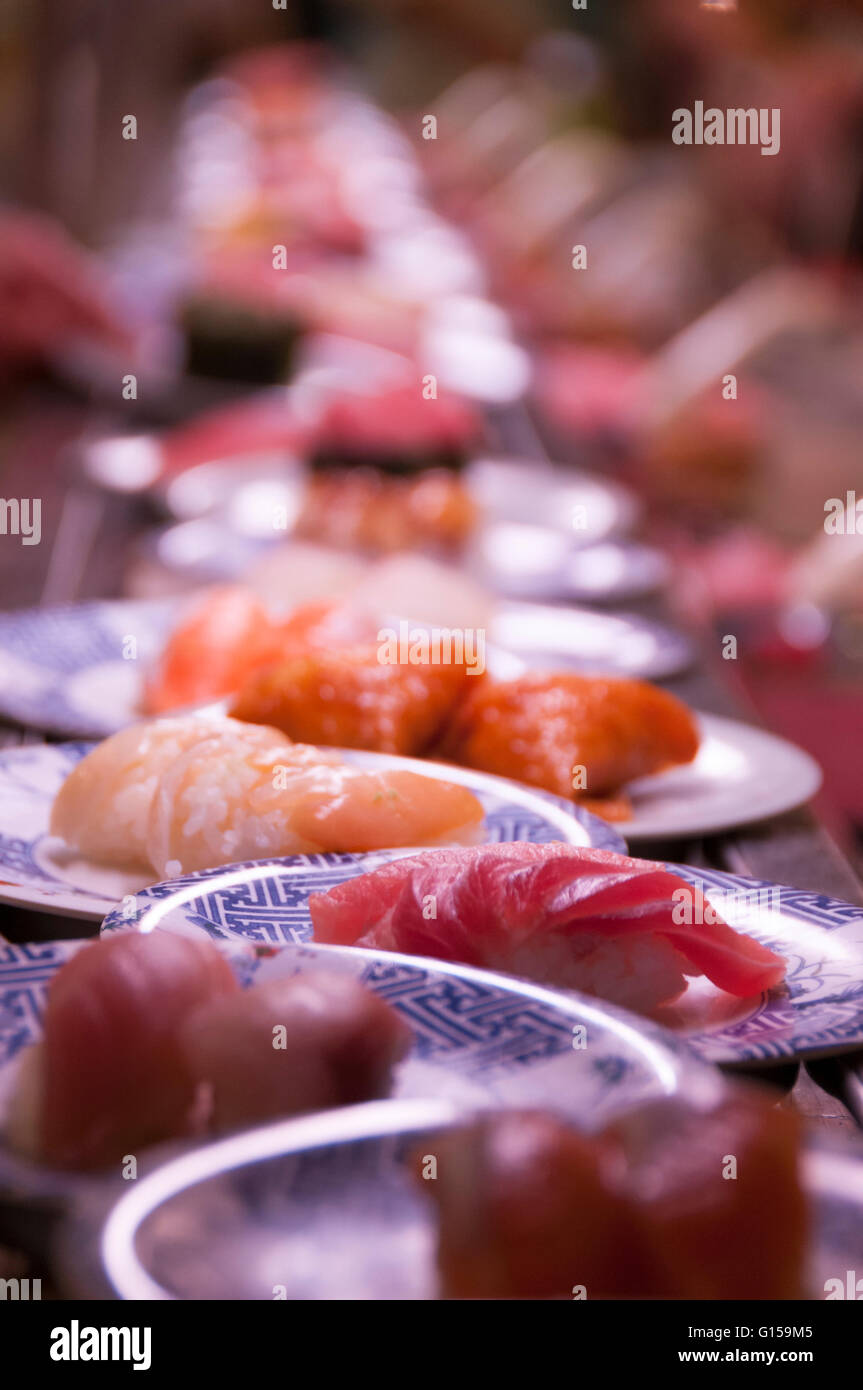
[
  {"x": 820, "y": 1006},
  {"x": 63, "y": 668},
  {"x": 818, "y": 1009}
]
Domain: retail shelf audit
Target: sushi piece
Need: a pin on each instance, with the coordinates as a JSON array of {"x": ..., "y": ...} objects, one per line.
[
  {"x": 226, "y": 635},
  {"x": 182, "y": 795},
  {"x": 230, "y": 634},
  {"x": 290, "y": 1045},
  {"x": 425, "y": 590},
  {"x": 109, "y": 1075},
  {"x": 364, "y": 509},
  {"x": 397, "y": 430},
  {"x": 136, "y": 1050},
  {"x": 103, "y": 807},
  {"x": 624, "y": 929},
  {"x": 233, "y": 332},
  {"x": 352, "y": 699},
  {"x": 650, "y": 1208},
  {"x": 223, "y": 801},
  {"x": 577, "y": 736}
]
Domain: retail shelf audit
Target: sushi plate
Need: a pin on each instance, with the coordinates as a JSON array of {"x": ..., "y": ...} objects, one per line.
[
  {"x": 539, "y": 562},
  {"x": 327, "y": 1200},
  {"x": 479, "y": 1038},
  {"x": 583, "y": 640},
  {"x": 36, "y": 870},
  {"x": 740, "y": 774},
  {"x": 533, "y": 492},
  {"x": 76, "y": 669},
  {"x": 818, "y": 1009}
]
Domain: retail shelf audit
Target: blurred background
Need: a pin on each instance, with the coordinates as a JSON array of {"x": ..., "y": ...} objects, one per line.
[{"x": 205, "y": 201}]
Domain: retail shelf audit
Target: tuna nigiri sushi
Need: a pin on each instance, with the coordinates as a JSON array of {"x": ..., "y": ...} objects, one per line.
[
  {"x": 109, "y": 1075},
  {"x": 581, "y": 737},
  {"x": 528, "y": 1208},
  {"x": 305, "y": 1043},
  {"x": 148, "y": 1037},
  {"x": 397, "y": 429},
  {"x": 584, "y": 919},
  {"x": 186, "y": 794}
]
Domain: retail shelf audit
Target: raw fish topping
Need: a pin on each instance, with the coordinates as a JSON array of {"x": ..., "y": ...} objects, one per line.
[{"x": 583, "y": 918}]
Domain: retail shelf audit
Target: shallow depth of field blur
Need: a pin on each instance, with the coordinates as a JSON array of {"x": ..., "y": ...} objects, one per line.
[{"x": 707, "y": 352}]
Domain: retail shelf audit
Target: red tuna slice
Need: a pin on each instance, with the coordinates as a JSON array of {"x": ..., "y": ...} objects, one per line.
[
  {"x": 482, "y": 904},
  {"x": 339, "y": 1045},
  {"x": 112, "y": 1076},
  {"x": 398, "y": 418}
]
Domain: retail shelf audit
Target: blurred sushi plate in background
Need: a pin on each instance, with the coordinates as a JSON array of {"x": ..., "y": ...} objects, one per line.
[{"x": 64, "y": 668}]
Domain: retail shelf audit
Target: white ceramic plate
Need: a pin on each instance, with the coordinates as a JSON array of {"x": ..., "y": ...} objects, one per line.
[
  {"x": 326, "y": 1200},
  {"x": 741, "y": 774},
  {"x": 581, "y": 639},
  {"x": 534, "y": 492}
]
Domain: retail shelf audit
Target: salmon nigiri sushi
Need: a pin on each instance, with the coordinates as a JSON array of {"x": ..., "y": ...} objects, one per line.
[
  {"x": 581, "y": 737},
  {"x": 586, "y": 919},
  {"x": 103, "y": 807},
  {"x": 208, "y": 655},
  {"x": 221, "y": 803},
  {"x": 353, "y": 700},
  {"x": 230, "y": 634},
  {"x": 180, "y": 795}
]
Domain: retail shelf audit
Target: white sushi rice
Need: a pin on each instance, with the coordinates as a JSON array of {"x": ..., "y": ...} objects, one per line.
[{"x": 638, "y": 972}]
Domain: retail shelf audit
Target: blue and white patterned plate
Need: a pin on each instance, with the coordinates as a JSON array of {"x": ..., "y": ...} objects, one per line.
[
  {"x": 479, "y": 1038},
  {"x": 77, "y": 669},
  {"x": 37, "y": 871},
  {"x": 818, "y": 1010}
]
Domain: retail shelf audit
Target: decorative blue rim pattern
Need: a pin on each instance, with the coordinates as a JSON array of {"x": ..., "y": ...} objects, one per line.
[
  {"x": 55, "y": 661},
  {"x": 820, "y": 1009}
]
